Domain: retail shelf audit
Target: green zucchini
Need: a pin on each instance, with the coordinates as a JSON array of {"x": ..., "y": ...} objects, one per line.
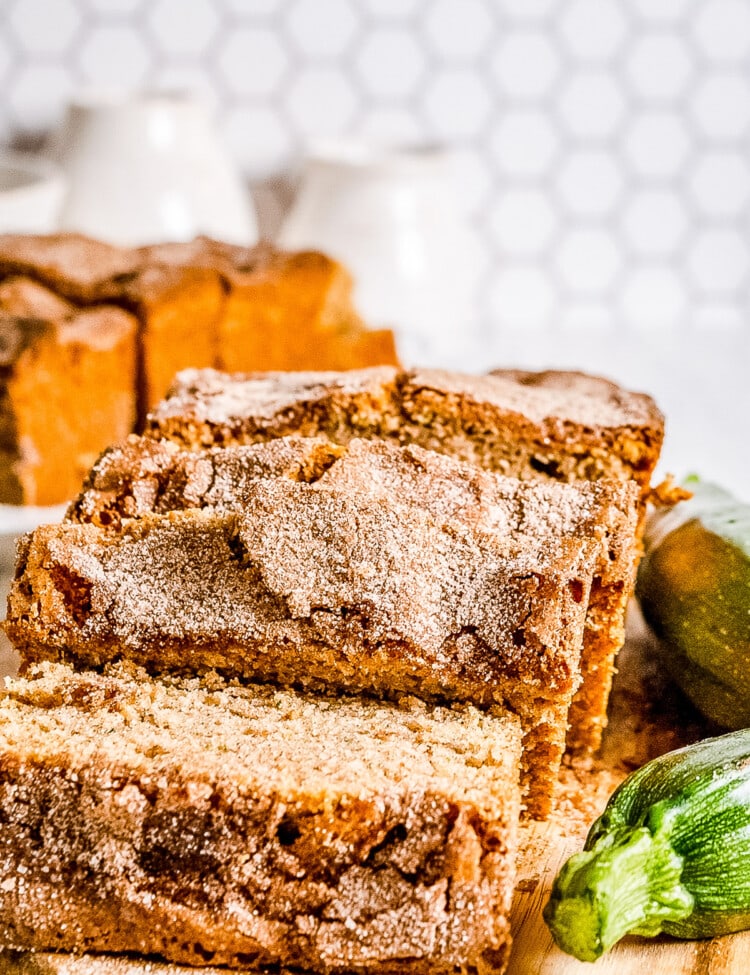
[
  {"x": 670, "y": 853},
  {"x": 694, "y": 592}
]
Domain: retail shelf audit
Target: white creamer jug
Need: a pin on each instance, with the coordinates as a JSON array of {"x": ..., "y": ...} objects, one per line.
[
  {"x": 391, "y": 217},
  {"x": 147, "y": 168}
]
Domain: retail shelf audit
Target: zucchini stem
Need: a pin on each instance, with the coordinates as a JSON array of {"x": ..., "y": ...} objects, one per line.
[{"x": 627, "y": 883}]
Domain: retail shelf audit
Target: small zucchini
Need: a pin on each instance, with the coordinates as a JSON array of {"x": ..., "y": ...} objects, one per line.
[
  {"x": 694, "y": 592},
  {"x": 670, "y": 853}
]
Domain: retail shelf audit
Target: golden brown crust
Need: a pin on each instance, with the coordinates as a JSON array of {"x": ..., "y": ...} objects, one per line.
[
  {"x": 214, "y": 824},
  {"x": 73, "y": 265},
  {"x": 580, "y": 427},
  {"x": 29, "y": 299}
]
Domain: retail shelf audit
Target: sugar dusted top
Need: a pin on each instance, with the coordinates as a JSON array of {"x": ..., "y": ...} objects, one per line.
[
  {"x": 217, "y": 398},
  {"x": 209, "y": 396},
  {"x": 590, "y": 401}
]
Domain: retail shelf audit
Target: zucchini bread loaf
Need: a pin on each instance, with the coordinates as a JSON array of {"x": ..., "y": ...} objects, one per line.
[
  {"x": 198, "y": 304},
  {"x": 143, "y": 477},
  {"x": 306, "y": 573},
  {"x": 205, "y": 303},
  {"x": 543, "y": 427},
  {"x": 211, "y": 824}
]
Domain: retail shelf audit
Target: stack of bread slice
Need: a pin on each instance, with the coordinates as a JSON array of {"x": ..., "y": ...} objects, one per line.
[{"x": 298, "y": 658}]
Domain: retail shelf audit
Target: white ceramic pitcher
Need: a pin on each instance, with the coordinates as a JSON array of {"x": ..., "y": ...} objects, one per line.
[
  {"x": 147, "y": 168},
  {"x": 391, "y": 217}
]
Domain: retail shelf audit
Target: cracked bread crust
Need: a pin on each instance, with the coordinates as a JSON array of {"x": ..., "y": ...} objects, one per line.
[
  {"x": 312, "y": 584},
  {"x": 143, "y": 476},
  {"x": 212, "y": 824},
  {"x": 558, "y": 425},
  {"x": 73, "y": 265},
  {"x": 139, "y": 476},
  {"x": 207, "y": 408}
]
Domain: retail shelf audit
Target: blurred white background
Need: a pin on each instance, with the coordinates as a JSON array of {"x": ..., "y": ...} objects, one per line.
[{"x": 601, "y": 154}]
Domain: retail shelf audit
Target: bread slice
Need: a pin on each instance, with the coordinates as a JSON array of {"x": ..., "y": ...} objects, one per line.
[
  {"x": 207, "y": 823},
  {"x": 553, "y": 426},
  {"x": 324, "y": 583},
  {"x": 144, "y": 477}
]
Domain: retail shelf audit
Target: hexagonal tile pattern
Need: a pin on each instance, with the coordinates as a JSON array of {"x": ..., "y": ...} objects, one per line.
[
  {"x": 390, "y": 9},
  {"x": 593, "y": 30},
  {"x": 526, "y": 64},
  {"x": 665, "y": 12},
  {"x": 525, "y": 143},
  {"x": 109, "y": 7},
  {"x": 527, "y": 11},
  {"x": 114, "y": 56},
  {"x": 254, "y": 10},
  {"x": 458, "y": 32},
  {"x": 588, "y": 260},
  {"x": 319, "y": 36},
  {"x": 721, "y": 29},
  {"x": 7, "y": 62},
  {"x": 720, "y": 183},
  {"x": 390, "y": 125},
  {"x": 591, "y": 317},
  {"x": 471, "y": 177},
  {"x": 179, "y": 32},
  {"x": 40, "y": 92},
  {"x": 719, "y": 317},
  {"x": 659, "y": 66},
  {"x": 720, "y": 105},
  {"x": 522, "y": 297},
  {"x": 589, "y": 183},
  {"x": 524, "y": 221},
  {"x": 313, "y": 88},
  {"x": 39, "y": 34},
  {"x": 591, "y": 104},
  {"x": 259, "y": 139},
  {"x": 252, "y": 61},
  {"x": 719, "y": 261},
  {"x": 185, "y": 75},
  {"x": 390, "y": 63},
  {"x": 655, "y": 222},
  {"x": 657, "y": 144},
  {"x": 457, "y": 104},
  {"x": 600, "y": 148},
  {"x": 653, "y": 298}
]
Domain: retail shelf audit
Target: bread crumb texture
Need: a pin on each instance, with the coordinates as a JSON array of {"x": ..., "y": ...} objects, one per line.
[{"x": 209, "y": 823}]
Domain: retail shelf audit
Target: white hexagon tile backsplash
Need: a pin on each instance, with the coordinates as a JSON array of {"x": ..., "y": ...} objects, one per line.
[{"x": 601, "y": 147}]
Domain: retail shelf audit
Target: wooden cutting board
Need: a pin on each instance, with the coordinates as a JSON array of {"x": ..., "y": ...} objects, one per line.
[{"x": 647, "y": 718}]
